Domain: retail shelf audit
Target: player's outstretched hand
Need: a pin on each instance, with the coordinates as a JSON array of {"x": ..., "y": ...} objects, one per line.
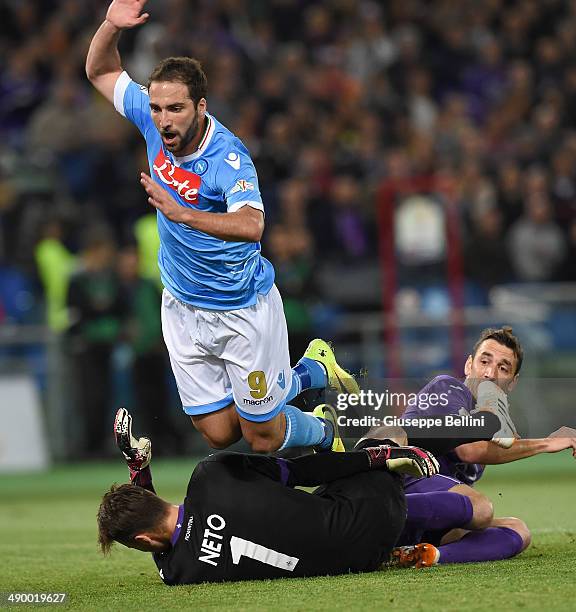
[
  {"x": 125, "y": 14},
  {"x": 162, "y": 200},
  {"x": 409, "y": 460},
  {"x": 562, "y": 439}
]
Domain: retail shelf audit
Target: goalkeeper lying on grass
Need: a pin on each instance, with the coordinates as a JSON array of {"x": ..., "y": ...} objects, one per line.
[{"x": 243, "y": 519}]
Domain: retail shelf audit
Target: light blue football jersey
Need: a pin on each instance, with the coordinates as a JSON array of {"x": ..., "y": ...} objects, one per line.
[{"x": 219, "y": 177}]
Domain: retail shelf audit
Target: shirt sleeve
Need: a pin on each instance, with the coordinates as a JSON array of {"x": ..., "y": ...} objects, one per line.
[
  {"x": 131, "y": 101},
  {"x": 238, "y": 179}
]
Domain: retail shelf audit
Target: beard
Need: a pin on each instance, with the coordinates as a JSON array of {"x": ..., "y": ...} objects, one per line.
[{"x": 186, "y": 139}]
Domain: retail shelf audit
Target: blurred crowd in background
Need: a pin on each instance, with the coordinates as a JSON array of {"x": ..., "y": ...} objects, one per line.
[{"x": 333, "y": 100}]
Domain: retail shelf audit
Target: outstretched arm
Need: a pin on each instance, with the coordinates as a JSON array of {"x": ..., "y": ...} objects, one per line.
[
  {"x": 137, "y": 452},
  {"x": 442, "y": 439},
  {"x": 317, "y": 469},
  {"x": 103, "y": 64},
  {"x": 489, "y": 453},
  {"x": 320, "y": 468}
]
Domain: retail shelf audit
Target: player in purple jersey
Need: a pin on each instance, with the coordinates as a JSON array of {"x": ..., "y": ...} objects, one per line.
[
  {"x": 445, "y": 510},
  {"x": 222, "y": 316}
]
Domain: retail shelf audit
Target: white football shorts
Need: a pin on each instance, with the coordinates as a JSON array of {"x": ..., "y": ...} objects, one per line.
[{"x": 220, "y": 357}]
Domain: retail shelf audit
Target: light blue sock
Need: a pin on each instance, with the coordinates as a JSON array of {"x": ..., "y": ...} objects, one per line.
[
  {"x": 296, "y": 387},
  {"x": 302, "y": 429},
  {"x": 309, "y": 374}
]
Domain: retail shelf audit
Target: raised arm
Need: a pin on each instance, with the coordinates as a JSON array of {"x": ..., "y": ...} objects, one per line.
[
  {"x": 137, "y": 452},
  {"x": 103, "y": 64}
]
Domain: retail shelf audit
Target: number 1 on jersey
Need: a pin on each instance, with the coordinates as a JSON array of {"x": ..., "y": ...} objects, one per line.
[{"x": 241, "y": 547}]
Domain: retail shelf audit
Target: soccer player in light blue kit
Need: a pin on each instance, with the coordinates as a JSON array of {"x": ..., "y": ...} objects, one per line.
[{"x": 222, "y": 316}]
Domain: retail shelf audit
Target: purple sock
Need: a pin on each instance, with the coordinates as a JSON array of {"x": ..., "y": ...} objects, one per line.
[
  {"x": 438, "y": 510},
  {"x": 490, "y": 544}
]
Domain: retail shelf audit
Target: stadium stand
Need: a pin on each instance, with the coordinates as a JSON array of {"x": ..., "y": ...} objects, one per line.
[{"x": 335, "y": 101}]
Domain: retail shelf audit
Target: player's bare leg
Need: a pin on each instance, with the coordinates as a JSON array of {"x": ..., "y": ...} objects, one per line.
[
  {"x": 504, "y": 538},
  {"x": 270, "y": 436},
  {"x": 483, "y": 510},
  {"x": 225, "y": 427},
  {"x": 454, "y": 535},
  {"x": 511, "y": 522},
  {"x": 266, "y": 436},
  {"x": 220, "y": 429},
  {"x": 517, "y": 525}
]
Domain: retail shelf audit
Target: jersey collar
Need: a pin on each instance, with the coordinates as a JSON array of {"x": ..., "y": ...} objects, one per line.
[
  {"x": 178, "y": 529},
  {"x": 203, "y": 143}
]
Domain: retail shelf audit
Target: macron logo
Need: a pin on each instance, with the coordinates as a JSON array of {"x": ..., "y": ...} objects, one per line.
[{"x": 233, "y": 160}]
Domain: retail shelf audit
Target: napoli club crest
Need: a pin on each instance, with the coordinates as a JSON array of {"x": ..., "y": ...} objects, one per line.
[{"x": 200, "y": 166}]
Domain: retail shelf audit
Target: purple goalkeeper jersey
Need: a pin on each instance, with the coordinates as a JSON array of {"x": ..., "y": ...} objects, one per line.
[{"x": 456, "y": 398}]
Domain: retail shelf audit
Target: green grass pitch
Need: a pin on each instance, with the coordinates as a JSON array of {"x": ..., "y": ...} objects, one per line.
[{"x": 48, "y": 533}]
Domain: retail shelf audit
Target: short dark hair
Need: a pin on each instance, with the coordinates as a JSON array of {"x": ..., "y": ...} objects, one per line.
[
  {"x": 502, "y": 335},
  {"x": 186, "y": 70},
  {"x": 125, "y": 511}
]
